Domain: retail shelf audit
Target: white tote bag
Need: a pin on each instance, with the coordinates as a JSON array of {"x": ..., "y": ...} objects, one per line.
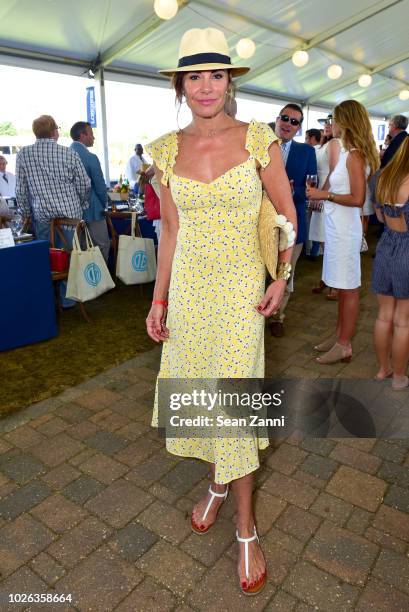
[
  {"x": 136, "y": 261},
  {"x": 88, "y": 276}
]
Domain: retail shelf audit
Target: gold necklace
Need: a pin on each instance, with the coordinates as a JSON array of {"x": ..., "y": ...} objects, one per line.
[{"x": 213, "y": 133}]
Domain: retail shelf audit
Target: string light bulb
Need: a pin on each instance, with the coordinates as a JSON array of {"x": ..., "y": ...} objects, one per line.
[
  {"x": 334, "y": 71},
  {"x": 165, "y": 9},
  {"x": 404, "y": 95},
  {"x": 245, "y": 48},
  {"x": 300, "y": 58},
  {"x": 365, "y": 80}
]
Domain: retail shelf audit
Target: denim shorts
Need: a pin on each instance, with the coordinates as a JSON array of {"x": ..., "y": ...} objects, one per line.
[{"x": 390, "y": 275}]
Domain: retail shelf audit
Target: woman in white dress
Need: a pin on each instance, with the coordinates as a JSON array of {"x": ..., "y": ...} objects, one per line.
[
  {"x": 367, "y": 210},
  {"x": 327, "y": 157},
  {"x": 358, "y": 158}
]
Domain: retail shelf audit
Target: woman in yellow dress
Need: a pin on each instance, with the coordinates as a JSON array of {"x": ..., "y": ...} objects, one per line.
[{"x": 209, "y": 300}]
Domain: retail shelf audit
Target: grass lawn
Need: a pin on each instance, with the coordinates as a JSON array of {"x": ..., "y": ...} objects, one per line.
[{"x": 80, "y": 351}]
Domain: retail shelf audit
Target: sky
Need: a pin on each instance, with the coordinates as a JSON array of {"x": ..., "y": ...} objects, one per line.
[{"x": 135, "y": 113}]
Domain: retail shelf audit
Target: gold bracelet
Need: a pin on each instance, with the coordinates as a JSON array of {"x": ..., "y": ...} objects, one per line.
[
  {"x": 284, "y": 270},
  {"x": 330, "y": 197}
]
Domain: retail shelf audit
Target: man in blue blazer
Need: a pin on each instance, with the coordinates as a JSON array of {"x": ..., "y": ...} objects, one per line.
[
  {"x": 299, "y": 160},
  {"x": 83, "y": 137}
]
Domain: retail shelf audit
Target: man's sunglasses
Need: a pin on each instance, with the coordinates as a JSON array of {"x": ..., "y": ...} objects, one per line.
[{"x": 287, "y": 119}]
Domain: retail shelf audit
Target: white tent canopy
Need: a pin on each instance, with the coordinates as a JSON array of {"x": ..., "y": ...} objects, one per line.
[{"x": 128, "y": 40}]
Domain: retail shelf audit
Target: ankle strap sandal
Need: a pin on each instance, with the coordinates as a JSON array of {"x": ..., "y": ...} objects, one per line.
[
  {"x": 195, "y": 527},
  {"x": 256, "y": 587}
]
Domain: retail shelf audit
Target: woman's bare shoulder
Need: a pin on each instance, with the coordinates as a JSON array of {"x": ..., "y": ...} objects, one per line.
[
  {"x": 334, "y": 144},
  {"x": 240, "y": 126},
  {"x": 355, "y": 157}
]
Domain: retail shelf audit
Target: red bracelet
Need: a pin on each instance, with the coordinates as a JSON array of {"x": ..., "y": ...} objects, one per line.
[{"x": 160, "y": 302}]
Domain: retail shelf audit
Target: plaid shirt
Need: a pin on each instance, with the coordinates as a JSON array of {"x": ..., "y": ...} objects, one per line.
[{"x": 51, "y": 181}]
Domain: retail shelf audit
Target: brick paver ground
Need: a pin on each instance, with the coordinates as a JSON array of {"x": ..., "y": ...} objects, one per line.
[{"x": 91, "y": 504}]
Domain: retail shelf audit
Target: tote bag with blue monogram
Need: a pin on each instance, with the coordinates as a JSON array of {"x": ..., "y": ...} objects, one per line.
[
  {"x": 136, "y": 261},
  {"x": 88, "y": 276}
]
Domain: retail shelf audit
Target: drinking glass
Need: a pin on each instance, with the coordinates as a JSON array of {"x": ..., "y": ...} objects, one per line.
[
  {"x": 132, "y": 200},
  {"x": 311, "y": 180},
  {"x": 16, "y": 224}
]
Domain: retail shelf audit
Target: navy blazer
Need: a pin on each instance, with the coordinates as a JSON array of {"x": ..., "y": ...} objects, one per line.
[
  {"x": 300, "y": 162},
  {"x": 392, "y": 148},
  {"x": 98, "y": 194}
]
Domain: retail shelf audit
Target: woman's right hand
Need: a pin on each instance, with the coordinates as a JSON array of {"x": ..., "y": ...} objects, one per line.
[
  {"x": 155, "y": 323},
  {"x": 313, "y": 193}
]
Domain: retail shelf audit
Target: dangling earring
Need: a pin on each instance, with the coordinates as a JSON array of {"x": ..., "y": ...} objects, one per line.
[{"x": 230, "y": 94}]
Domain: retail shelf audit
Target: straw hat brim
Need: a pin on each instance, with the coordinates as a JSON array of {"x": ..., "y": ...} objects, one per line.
[{"x": 235, "y": 70}]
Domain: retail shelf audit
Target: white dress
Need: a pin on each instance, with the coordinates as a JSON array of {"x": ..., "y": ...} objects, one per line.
[
  {"x": 316, "y": 232},
  {"x": 343, "y": 234}
]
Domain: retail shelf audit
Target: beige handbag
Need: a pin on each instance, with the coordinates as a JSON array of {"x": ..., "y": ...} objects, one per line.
[
  {"x": 88, "y": 276},
  {"x": 275, "y": 233},
  {"x": 136, "y": 261},
  {"x": 268, "y": 235}
]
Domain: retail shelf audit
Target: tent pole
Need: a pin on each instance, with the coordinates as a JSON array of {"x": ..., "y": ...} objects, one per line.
[
  {"x": 307, "y": 123},
  {"x": 104, "y": 133}
]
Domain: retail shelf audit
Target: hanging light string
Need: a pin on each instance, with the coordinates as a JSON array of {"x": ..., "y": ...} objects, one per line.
[
  {"x": 230, "y": 31},
  {"x": 246, "y": 46},
  {"x": 299, "y": 58}
]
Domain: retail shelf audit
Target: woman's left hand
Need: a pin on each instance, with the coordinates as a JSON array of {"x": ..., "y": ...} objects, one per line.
[
  {"x": 313, "y": 193},
  {"x": 272, "y": 298}
]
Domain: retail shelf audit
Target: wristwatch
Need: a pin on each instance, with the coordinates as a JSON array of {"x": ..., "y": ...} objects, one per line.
[{"x": 330, "y": 197}]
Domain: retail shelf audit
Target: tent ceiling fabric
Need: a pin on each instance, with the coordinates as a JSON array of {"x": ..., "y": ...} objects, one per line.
[{"x": 125, "y": 36}]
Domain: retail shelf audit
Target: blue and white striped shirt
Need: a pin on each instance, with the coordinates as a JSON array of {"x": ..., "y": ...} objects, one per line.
[{"x": 285, "y": 149}]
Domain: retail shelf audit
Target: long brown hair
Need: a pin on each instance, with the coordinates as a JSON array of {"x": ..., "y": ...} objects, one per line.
[
  {"x": 356, "y": 131},
  {"x": 393, "y": 175}
]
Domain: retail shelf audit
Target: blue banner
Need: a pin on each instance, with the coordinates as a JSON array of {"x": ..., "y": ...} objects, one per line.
[
  {"x": 91, "y": 107},
  {"x": 381, "y": 132}
]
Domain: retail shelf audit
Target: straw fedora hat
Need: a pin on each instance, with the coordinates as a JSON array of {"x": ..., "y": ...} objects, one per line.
[{"x": 204, "y": 49}]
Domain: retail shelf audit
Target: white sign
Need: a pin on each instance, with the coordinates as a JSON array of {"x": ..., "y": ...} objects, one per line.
[{"x": 6, "y": 238}]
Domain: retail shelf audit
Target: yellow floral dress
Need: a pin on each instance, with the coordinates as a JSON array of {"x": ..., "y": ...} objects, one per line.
[{"x": 217, "y": 279}]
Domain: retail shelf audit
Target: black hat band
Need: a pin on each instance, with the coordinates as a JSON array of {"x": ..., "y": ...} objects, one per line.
[{"x": 204, "y": 58}]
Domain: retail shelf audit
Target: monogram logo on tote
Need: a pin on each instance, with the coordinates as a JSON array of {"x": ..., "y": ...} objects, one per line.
[
  {"x": 92, "y": 274},
  {"x": 139, "y": 261}
]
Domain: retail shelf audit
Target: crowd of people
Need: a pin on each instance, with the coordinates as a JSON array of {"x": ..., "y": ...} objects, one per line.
[
  {"x": 53, "y": 181},
  {"x": 210, "y": 300}
]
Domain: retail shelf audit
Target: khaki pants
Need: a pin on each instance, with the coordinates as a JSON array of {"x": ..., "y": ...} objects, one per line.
[{"x": 279, "y": 316}]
